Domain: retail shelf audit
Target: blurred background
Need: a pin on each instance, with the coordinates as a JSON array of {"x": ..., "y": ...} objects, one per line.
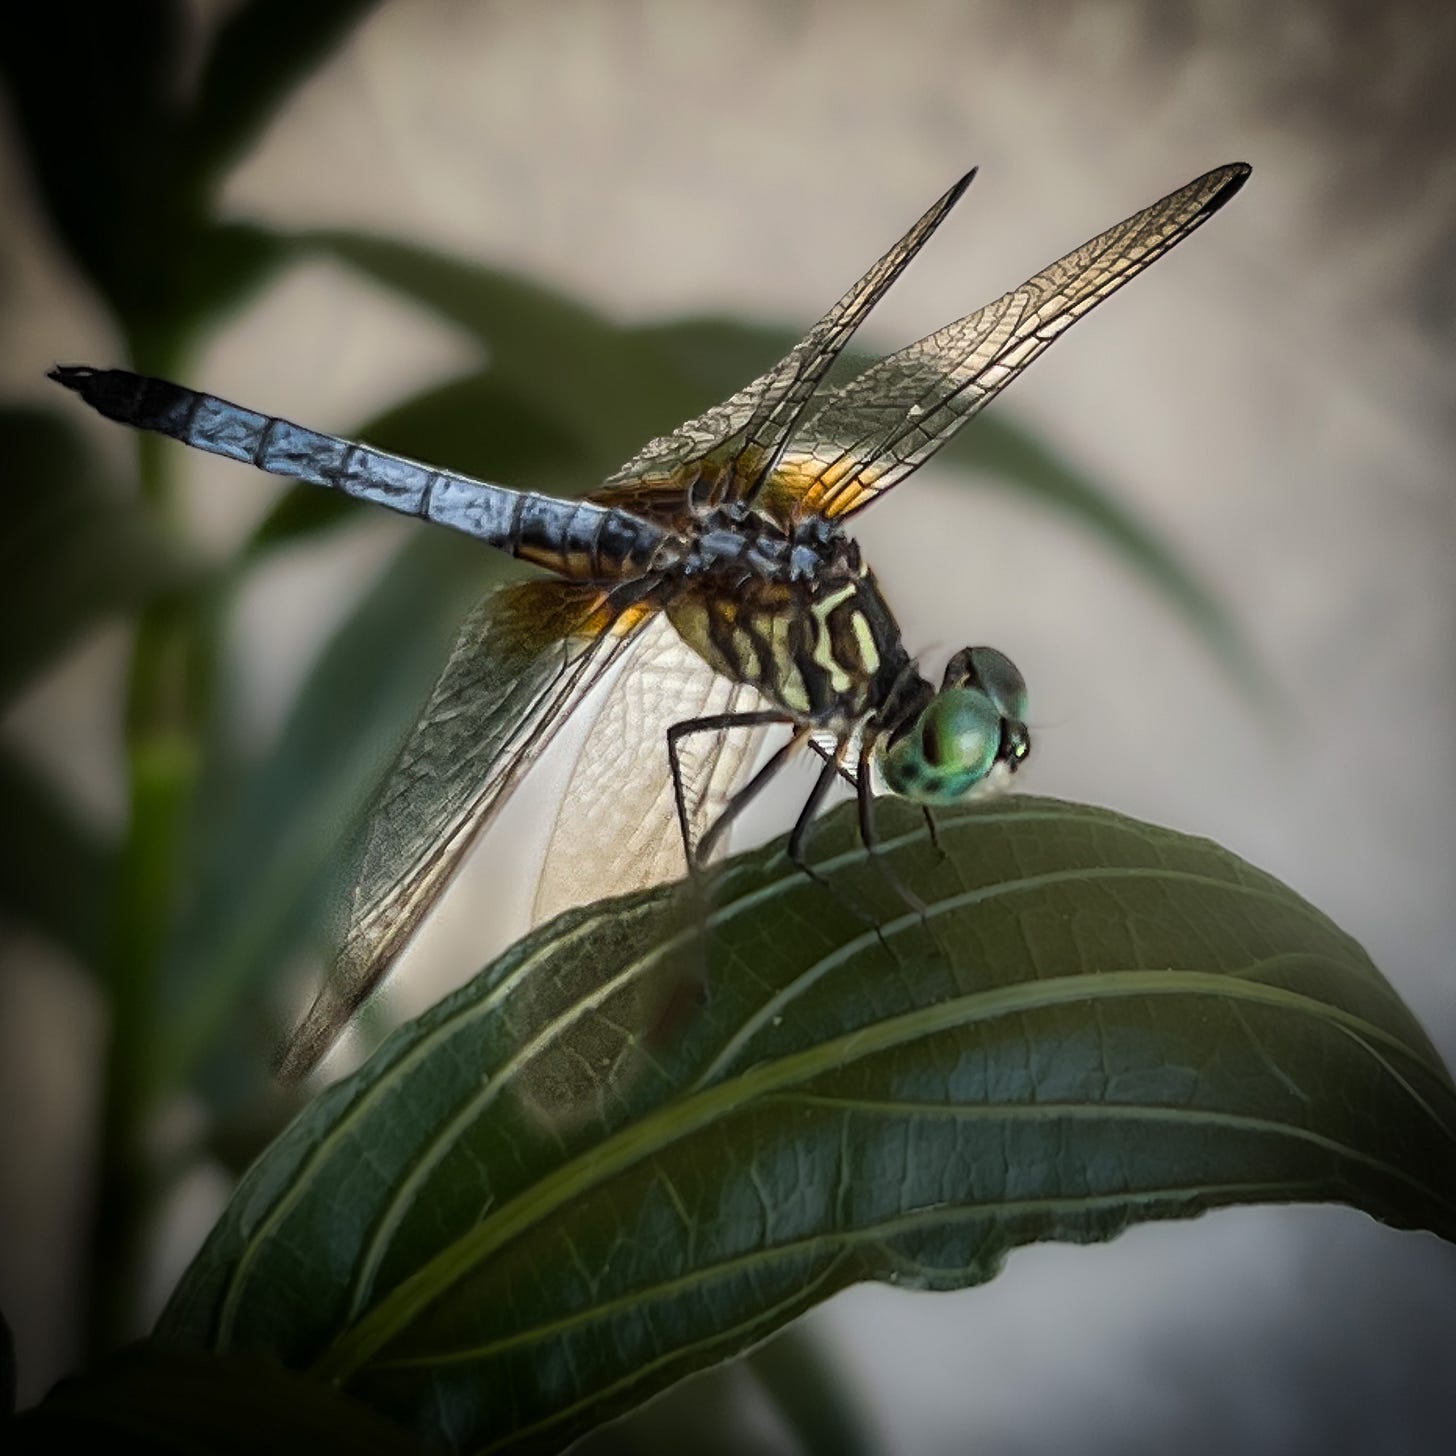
[{"x": 1273, "y": 409}]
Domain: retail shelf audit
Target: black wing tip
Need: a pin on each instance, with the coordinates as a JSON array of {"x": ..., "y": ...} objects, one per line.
[
  {"x": 958, "y": 189},
  {"x": 1235, "y": 174}
]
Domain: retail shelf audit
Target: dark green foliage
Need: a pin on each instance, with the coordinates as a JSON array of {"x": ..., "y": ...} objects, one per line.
[{"x": 1097, "y": 1022}]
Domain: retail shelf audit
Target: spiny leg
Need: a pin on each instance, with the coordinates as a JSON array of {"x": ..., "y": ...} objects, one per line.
[
  {"x": 864, "y": 795},
  {"x": 716, "y": 723},
  {"x": 799, "y": 838},
  {"x": 934, "y": 829},
  {"x": 697, "y": 855},
  {"x": 798, "y": 841},
  {"x": 750, "y": 791}
]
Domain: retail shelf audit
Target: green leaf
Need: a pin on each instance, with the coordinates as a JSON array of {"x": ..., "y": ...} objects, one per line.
[
  {"x": 96, "y": 109},
  {"x": 128, "y": 172},
  {"x": 56, "y": 872},
  {"x": 812, "y": 1394},
  {"x": 76, "y": 550},
  {"x": 261, "y": 53},
  {"x": 268, "y": 870},
  {"x": 718, "y": 356},
  {"x": 157, "y": 1401},
  {"x": 216, "y": 268},
  {"x": 476, "y": 425},
  {"x": 571, "y": 364},
  {"x": 566, "y": 1186}
]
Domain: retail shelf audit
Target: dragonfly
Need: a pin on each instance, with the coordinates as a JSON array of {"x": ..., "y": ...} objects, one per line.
[{"x": 714, "y": 566}]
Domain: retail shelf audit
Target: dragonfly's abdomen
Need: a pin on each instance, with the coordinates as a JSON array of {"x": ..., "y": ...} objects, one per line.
[
  {"x": 579, "y": 539},
  {"x": 822, "y": 650}
]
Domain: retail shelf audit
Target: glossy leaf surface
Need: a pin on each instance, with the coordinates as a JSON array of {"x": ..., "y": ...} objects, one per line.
[{"x": 524, "y": 1215}]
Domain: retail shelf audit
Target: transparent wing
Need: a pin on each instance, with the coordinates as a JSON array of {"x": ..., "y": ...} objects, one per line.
[
  {"x": 622, "y": 832},
  {"x": 861, "y": 439},
  {"x": 727, "y": 450},
  {"x": 524, "y": 658}
]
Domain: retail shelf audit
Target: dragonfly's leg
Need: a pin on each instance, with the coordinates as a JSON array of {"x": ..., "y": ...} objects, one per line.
[
  {"x": 934, "y": 829},
  {"x": 798, "y": 841},
  {"x": 696, "y": 856},
  {"x": 799, "y": 838},
  {"x": 750, "y": 791},
  {"x": 866, "y": 800},
  {"x": 831, "y": 755},
  {"x": 696, "y": 981}
]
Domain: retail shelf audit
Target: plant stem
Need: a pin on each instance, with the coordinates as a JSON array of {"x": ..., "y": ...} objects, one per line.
[{"x": 161, "y": 761}]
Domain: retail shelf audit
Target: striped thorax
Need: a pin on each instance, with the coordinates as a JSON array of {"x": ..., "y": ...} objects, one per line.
[{"x": 796, "y": 615}]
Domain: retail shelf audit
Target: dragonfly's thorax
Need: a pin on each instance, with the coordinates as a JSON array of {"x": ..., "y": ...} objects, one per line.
[
  {"x": 795, "y": 613},
  {"x": 734, "y": 539}
]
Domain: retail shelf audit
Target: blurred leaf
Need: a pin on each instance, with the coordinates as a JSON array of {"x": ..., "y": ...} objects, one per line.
[
  {"x": 571, "y": 364},
  {"x": 476, "y": 425},
  {"x": 812, "y": 1395},
  {"x": 248, "y": 1114},
  {"x": 718, "y": 356},
  {"x": 56, "y": 873},
  {"x": 260, "y": 54},
  {"x": 75, "y": 551},
  {"x": 156, "y": 1401},
  {"x": 270, "y": 866},
  {"x": 520, "y": 1217},
  {"x": 300, "y": 513},
  {"x": 127, "y": 170},
  {"x": 220, "y": 267},
  {"x": 95, "y": 99}
]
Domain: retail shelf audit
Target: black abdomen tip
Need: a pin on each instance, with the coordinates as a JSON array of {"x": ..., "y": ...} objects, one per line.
[
  {"x": 73, "y": 376},
  {"x": 115, "y": 393}
]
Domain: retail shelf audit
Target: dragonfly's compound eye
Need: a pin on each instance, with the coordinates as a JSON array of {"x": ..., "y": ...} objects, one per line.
[
  {"x": 949, "y": 751},
  {"x": 994, "y": 674}
]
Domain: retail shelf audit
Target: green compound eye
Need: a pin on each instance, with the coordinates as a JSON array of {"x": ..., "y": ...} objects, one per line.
[
  {"x": 949, "y": 751},
  {"x": 1001, "y": 681}
]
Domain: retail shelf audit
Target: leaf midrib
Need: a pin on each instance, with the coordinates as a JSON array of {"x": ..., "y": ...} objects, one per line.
[
  {"x": 471, "y": 1011},
  {"x": 664, "y": 1126},
  {"x": 400, "y": 1199},
  {"x": 1193, "y": 1118}
]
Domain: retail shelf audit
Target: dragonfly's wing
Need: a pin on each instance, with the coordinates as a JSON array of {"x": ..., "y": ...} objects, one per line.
[
  {"x": 726, "y": 451},
  {"x": 858, "y": 440},
  {"x": 524, "y": 658},
  {"x": 622, "y": 833}
]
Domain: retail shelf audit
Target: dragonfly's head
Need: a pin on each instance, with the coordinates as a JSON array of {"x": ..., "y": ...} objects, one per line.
[{"x": 970, "y": 736}]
